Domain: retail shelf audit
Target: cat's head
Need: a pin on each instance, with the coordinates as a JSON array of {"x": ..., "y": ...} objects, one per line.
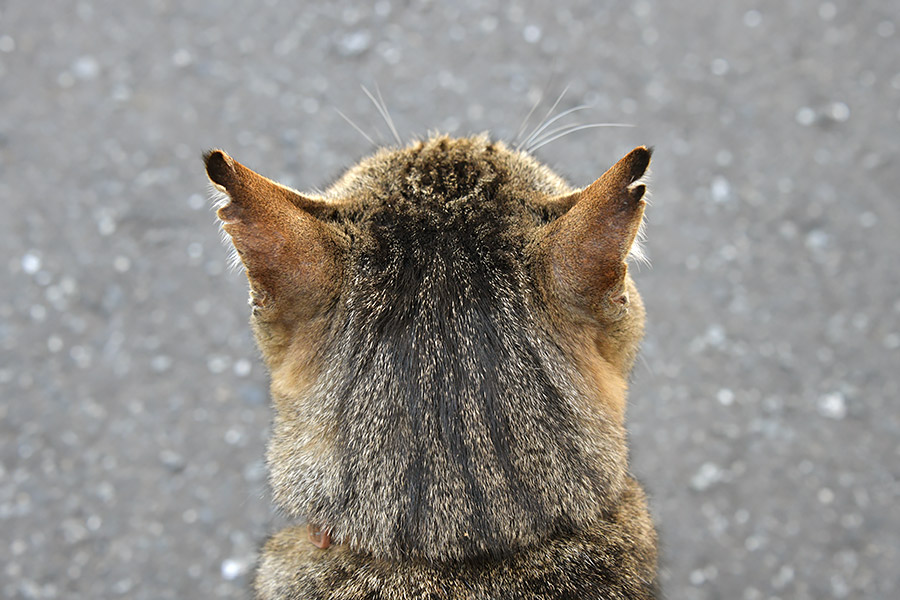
[
  {"x": 449, "y": 330},
  {"x": 298, "y": 249}
]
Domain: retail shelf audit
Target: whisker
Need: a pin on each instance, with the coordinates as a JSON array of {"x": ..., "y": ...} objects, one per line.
[
  {"x": 564, "y": 113},
  {"x": 574, "y": 129},
  {"x": 540, "y": 99},
  {"x": 356, "y": 127},
  {"x": 553, "y": 132},
  {"x": 381, "y": 110},
  {"x": 389, "y": 118},
  {"x": 646, "y": 363},
  {"x": 374, "y": 102},
  {"x": 527, "y": 118},
  {"x": 549, "y": 112}
]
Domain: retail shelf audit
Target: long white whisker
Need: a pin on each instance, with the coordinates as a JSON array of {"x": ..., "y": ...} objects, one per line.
[
  {"x": 551, "y": 133},
  {"x": 528, "y": 118},
  {"x": 577, "y": 128},
  {"x": 374, "y": 102},
  {"x": 356, "y": 127},
  {"x": 534, "y": 108},
  {"x": 547, "y": 116},
  {"x": 555, "y": 130},
  {"x": 389, "y": 118},
  {"x": 564, "y": 113},
  {"x": 567, "y": 129},
  {"x": 381, "y": 110},
  {"x": 647, "y": 364}
]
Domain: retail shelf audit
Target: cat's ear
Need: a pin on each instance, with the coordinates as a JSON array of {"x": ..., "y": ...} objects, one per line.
[
  {"x": 586, "y": 248},
  {"x": 293, "y": 260}
]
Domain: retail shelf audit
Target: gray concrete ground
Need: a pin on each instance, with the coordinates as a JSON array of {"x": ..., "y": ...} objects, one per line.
[{"x": 764, "y": 417}]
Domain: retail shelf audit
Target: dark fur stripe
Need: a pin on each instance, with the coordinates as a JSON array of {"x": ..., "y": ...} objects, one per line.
[{"x": 430, "y": 367}]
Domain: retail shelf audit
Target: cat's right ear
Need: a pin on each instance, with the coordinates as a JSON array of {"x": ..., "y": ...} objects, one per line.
[
  {"x": 586, "y": 248},
  {"x": 293, "y": 259}
]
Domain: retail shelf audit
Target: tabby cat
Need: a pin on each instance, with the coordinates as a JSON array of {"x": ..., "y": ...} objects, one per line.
[{"x": 449, "y": 330}]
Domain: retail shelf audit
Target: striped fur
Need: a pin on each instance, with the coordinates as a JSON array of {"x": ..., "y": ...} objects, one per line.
[{"x": 448, "y": 411}]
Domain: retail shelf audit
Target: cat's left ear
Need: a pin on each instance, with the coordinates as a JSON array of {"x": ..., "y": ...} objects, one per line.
[
  {"x": 293, "y": 259},
  {"x": 585, "y": 249}
]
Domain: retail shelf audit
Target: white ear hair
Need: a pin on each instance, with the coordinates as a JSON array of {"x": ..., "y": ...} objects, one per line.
[
  {"x": 219, "y": 198},
  {"x": 637, "y": 254}
]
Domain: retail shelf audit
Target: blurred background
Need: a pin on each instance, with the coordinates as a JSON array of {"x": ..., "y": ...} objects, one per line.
[{"x": 764, "y": 415}]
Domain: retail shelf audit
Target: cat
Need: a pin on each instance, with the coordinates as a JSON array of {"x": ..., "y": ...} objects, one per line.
[{"x": 449, "y": 331}]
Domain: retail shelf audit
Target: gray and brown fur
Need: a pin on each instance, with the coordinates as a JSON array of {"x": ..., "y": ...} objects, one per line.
[{"x": 449, "y": 330}]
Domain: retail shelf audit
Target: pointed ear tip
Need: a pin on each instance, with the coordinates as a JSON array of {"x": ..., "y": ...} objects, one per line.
[
  {"x": 219, "y": 166},
  {"x": 642, "y": 153},
  {"x": 637, "y": 161},
  {"x": 212, "y": 154}
]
